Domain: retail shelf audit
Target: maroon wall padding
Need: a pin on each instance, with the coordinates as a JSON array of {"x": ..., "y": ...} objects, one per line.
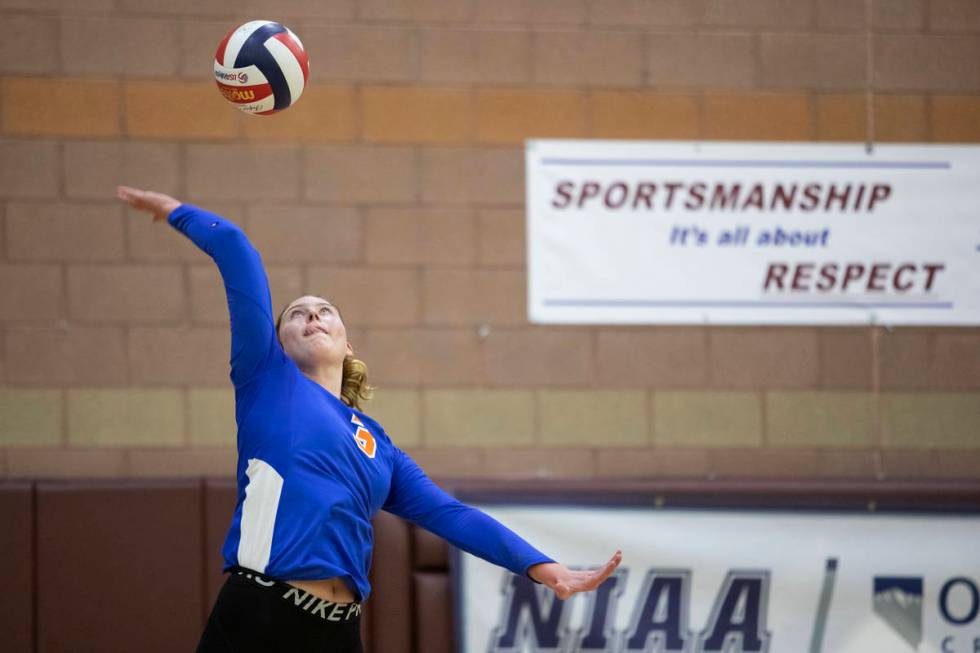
[
  {"x": 391, "y": 580},
  {"x": 433, "y": 612},
  {"x": 119, "y": 567},
  {"x": 17, "y": 568},
  {"x": 430, "y": 552},
  {"x": 135, "y": 565},
  {"x": 219, "y": 507},
  {"x": 431, "y": 595}
]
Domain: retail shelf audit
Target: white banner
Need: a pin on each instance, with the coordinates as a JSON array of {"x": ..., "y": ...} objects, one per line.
[
  {"x": 733, "y": 582},
  {"x": 752, "y": 233}
]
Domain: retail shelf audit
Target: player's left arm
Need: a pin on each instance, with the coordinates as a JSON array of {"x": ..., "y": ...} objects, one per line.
[{"x": 415, "y": 497}]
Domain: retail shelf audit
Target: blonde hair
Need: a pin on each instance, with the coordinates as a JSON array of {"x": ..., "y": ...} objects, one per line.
[{"x": 354, "y": 387}]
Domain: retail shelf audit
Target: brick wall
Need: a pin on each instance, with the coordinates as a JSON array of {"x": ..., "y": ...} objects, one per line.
[{"x": 395, "y": 187}]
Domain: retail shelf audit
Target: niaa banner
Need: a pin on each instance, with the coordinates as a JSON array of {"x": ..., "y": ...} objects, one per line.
[
  {"x": 732, "y": 581},
  {"x": 752, "y": 233}
]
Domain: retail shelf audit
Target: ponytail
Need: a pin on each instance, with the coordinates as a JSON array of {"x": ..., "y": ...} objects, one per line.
[{"x": 354, "y": 388}]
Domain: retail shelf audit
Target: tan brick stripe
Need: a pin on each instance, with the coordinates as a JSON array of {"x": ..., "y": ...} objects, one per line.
[
  {"x": 60, "y": 107},
  {"x": 163, "y": 109},
  {"x": 709, "y": 420},
  {"x": 524, "y": 463},
  {"x": 126, "y": 417}
]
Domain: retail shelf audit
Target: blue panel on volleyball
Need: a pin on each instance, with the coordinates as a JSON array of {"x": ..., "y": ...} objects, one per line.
[{"x": 255, "y": 53}]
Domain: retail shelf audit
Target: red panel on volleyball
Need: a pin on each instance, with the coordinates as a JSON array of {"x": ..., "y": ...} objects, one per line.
[
  {"x": 304, "y": 64},
  {"x": 245, "y": 94}
]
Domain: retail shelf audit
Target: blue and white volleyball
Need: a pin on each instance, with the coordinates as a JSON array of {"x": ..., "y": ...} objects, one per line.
[{"x": 261, "y": 67}]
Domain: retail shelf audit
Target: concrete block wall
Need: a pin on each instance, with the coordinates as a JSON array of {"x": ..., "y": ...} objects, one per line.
[{"x": 395, "y": 187}]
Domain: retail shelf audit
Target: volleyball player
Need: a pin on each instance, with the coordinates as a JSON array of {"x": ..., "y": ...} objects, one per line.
[{"x": 313, "y": 469}]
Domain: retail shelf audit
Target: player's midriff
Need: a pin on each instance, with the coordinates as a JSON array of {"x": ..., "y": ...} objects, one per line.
[{"x": 328, "y": 589}]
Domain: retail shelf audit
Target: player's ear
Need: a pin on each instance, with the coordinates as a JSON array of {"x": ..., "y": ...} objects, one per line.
[{"x": 350, "y": 350}]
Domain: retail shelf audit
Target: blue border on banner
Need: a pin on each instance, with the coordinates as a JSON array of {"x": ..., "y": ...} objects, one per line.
[
  {"x": 721, "y": 303},
  {"x": 762, "y": 163},
  {"x": 841, "y": 504}
]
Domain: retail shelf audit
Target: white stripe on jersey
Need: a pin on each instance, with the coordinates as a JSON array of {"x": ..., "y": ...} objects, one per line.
[{"x": 259, "y": 514}]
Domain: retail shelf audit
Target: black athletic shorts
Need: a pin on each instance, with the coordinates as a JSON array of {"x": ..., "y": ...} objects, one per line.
[{"x": 256, "y": 613}]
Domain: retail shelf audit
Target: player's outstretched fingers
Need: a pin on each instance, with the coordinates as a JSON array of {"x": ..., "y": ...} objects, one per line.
[
  {"x": 590, "y": 580},
  {"x": 565, "y": 582},
  {"x": 608, "y": 568},
  {"x": 158, "y": 204},
  {"x": 130, "y": 195}
]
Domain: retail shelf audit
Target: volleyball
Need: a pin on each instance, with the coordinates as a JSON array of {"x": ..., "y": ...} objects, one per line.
[{"x": 261, "y": 67}]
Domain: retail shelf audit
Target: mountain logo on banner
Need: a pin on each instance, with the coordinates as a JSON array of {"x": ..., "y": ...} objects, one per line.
[{"x": 898, "y": 602}]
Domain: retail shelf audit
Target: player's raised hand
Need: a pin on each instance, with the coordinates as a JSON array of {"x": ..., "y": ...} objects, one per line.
[
  {"x": 158, "y": 204},
  {"x": 567, "y": 582}
]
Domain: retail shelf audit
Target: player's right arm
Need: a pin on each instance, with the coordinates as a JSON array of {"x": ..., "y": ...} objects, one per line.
[{"x": 254, "y": 345}]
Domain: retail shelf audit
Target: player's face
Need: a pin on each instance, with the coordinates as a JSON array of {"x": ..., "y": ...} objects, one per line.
[{"x": 312, "y": 333}]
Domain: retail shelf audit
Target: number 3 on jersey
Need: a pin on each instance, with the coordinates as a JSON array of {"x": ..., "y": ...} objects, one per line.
[{"x": 365, "y": 441}]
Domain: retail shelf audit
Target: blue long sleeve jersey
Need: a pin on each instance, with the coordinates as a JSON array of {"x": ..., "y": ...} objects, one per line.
[{"x": 312, "y": 471}]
